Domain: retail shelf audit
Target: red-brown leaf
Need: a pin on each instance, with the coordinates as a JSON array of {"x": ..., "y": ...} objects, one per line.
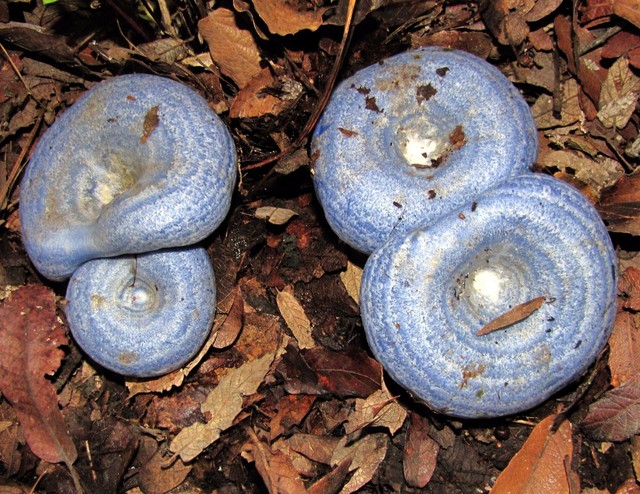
[
  {"x": 30, "y": 341},
  {"x": 620, "y": 206},
  {"x": 615, "y": 416},
  {"x": 512, "y": 316},
  {"x": 320, "y": 371},
  {"x": 624, "y": 345},
  {"x": 543, "y": 464},
  {"x": 420, "y": 452}
]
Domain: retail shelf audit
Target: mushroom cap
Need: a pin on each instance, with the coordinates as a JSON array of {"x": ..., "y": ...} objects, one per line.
[
  {"x": 143, "y": 315},
  {"x": 403, "y": 142},
  {"x": 425, "y": 295},
  {"x": 139, "y": 163}
]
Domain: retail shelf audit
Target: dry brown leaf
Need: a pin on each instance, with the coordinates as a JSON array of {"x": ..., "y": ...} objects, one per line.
[
  {"x": 332, "y": 481},
  {"x": 629, "y": 486},
  {"x": 620, "y": 206},
  {"x": 366, "y": 456},
  {"x": 290, "y": 411},
  {"x": 316, "y": 448},
  {"x": 233, "y": 49},
  {"x": 293, "y": 314},
  {"x": 301, "y": 464},
  {"x": 350, "y": 278},
  {"x": 635, "y": 454},
  {"x": 628, "y": 10},
  {"x": 379, "y": 409},
  {"x": 266, "y": 94},
  {"x": 512, "y": 316},
  {"x": 30, "y": 341},
  {"x": 420, "y": 452},
  {"x": 288, "y": 17},
  {"x": 222, "y": 406},
  {"x": 229, "y": 330},
  {"x": 570, "y": 111},
  {"x": 629, "y": 285},
  {"x": 505, "y": 19},
  {"x": 624, "y": 345},
  {"x": 156, "y": 477},
  {"x": 619, "y": 95},
  {"x": 541, "y": 9},
  {"x": 542, "y": 464},
  {"x": 274, "y": 215},
  {"x": 598, "y": 174},
  {"x": 275, "y": 468}
]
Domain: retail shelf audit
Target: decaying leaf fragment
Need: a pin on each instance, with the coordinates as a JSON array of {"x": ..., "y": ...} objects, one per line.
[
  {"x": 233, "y": 49},
  {"x": 222, "y": 406},
  {"x": 615, "y": 416},
  {"x": 379, "y": 409},
  {"x": 30, "y": 341},
  {"x": 274, "y": 215},
  {"x": 351, "y": 278},
  {"x": 288, "y": 17},
  {"x": 619, "y": 95},
  {"x": 517, "y": 314},
  {"x": 543, "y": 464},
  {"x": 628, "y": 9},
  {"x": 620, "y": 205},
  {"x": 295, "y": 317},
  {"x": 624, "y": 345},
  {"x": 366, "y": 456},
  {"x": 275, "y": 467},
  {"x": 420, "y": 452}
]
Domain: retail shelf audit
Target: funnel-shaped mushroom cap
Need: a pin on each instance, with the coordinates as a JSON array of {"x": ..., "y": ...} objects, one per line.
[
  {"x": 404, "y": 141},
  {"x": 139, "y": 163},
  {"x": 143, "y": 315},
  {"x": 426, "y": 295}
]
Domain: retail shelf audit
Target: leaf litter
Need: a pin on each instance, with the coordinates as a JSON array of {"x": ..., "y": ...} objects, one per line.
[{"x": 284, "y": 397}]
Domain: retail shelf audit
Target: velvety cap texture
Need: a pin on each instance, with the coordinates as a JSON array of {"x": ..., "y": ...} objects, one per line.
[
  {"x": 138, "y": 163},
  {"x": 403, "y": 142},
  {"x": 143, "y": 315},
  {"x": 426, "y": 295}
]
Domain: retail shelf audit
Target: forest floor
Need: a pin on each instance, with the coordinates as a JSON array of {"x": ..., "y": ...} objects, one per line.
[{"x": 288, "y": 398}]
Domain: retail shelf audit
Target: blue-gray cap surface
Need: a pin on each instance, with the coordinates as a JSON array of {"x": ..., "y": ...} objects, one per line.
[
  {"x": 143, "y": 315},
  {"x": 402, "y": 142},
  {"x": 425, "y": 296},
  {"x": 138, "y": 163}
]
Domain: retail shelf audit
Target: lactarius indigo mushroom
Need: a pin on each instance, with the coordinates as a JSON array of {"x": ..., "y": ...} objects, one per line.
[
  {"x": 402, "y": 142},
  {"x": 143, "y": 315},
  {"x": 499, "y": 304},
  {"x": 139, "y": 163},
  {"x": 138, "y": 168}
]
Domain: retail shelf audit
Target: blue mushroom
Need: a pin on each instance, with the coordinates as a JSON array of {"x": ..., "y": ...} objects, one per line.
[
  {"x": 143, "y": 315},
  {"x": 427, "y": 296},
  {"x": 403, "y": 142},
  {"x": 117, "y": 191},
  {"x": 139, "y": 163}
]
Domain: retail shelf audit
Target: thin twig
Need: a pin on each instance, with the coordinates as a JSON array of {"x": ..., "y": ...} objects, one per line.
[
  {"x": 19, "y": 165},
  {"x": 311, "y": 123},
  {"x": 19, "y": 75}
]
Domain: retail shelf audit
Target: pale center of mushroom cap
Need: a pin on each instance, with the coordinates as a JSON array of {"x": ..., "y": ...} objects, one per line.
[
  {"x": 137, "y": 296},
  {"x": 425, "y": 144},
  {"x": 488, "y": 284},
  {"x": 424, "y": 147}
]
